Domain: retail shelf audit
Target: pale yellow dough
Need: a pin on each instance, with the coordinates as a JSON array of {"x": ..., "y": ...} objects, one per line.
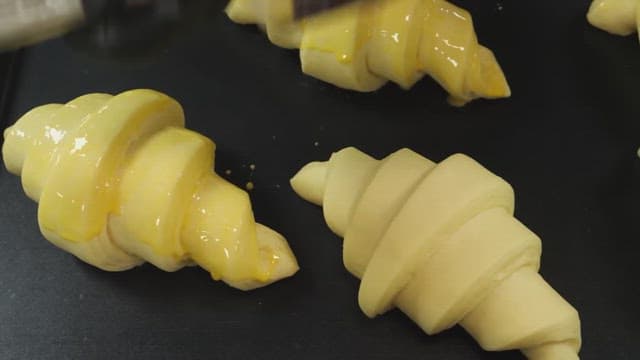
[
  {"x": 619, "y": 17},
  {"x": 119, "y": 181},
  {"x": 364, "y": 44},
  {"x": 439, "y": 241}
]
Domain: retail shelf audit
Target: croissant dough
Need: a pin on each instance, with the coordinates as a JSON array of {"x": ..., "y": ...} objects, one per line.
[
  {"x": 440, "y": 242},
  {"x": 119, "y": 181},
  {"x": 620, "y": 17},
  {"x": 361, "y": 45}
]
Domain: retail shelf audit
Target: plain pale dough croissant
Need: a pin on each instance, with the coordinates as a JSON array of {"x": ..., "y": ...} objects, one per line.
[
  {"x": 440, "y": 242},
  {"x": 364, "y": 44},
  {"x": 119, "y": 181},
  {"x": 619, "y": 17}
]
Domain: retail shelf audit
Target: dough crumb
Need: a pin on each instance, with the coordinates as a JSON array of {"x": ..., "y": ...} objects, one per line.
[
  {"x": 252, "y": 167},
  {"x": 228, "y": 172},
  {"x": 249, "y": 186}
]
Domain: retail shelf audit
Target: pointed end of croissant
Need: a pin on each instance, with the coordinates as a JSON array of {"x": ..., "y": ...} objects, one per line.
[
  {"x": 494, "y": 83},
  {"x": 13, "y": 150},
  {"x": 618, "y": 20},
  {"x": 485, "y": 79},
  {"x": 4, "y": 150},
  {"x": 277, "y": 261},
  {"x": 241, "y": 12},
  {"x": 596, "y": 14},
  {"x": 276, "y": 255},
  {"x": 309, "y": 182}
]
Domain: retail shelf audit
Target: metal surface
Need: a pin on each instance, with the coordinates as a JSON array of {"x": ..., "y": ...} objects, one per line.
[{"x": 566, "y": 141}]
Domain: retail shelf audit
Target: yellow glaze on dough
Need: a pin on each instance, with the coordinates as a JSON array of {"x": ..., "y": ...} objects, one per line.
[
  {"x": 362, "y": 45},
  {"x": 119, "y": 181},
  {"x": 620, "y": 17},
  {"x": 440, "y": 242}
]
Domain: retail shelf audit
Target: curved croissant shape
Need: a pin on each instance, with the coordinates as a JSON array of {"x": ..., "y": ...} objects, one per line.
[
  {"x": 361, "y": 45},
  {"x": 619, "y": 17},
  {"x": 119, "y": 181},
  {"x": 440, "y": 242}
]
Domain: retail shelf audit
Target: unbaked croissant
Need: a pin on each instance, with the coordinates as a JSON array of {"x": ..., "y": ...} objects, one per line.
[
  {"x": 440, "y": 242},
  {"x": 361, "y": 45},
  {"x": 620, "y": 17},
  {"x": 119, "y": 181}
]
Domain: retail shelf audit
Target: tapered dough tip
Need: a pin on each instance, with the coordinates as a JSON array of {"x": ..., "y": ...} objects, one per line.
[
  {"x": 240, "y": 12},
  {"x": 277, "y": 260},
  {"x": 485, "y": 79},
  {"x": 310, "y": 182},
  {"x": 4, "y": 150},
  {"x": 616, "y": 17},
  {"x": 595, "y": 13},
  {"x": 275, "y": 251},
  {"x": 494, "y": 83}
]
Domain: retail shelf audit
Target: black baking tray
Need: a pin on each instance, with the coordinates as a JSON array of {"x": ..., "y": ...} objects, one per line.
[{"x": 566, "y": 140}]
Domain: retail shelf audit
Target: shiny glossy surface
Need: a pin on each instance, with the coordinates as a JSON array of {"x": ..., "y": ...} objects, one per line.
[
  {"x": 227, "y": 243},
  {"x": 118, "y": 175},
  {"x": 360, "y": 45}
]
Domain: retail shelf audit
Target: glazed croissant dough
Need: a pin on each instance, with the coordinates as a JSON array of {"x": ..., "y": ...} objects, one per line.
[
  {"x": 440, "y": 242},
  {"x": 364, "y": 44},
  {"x": 620, "y": 17},
  {"x": 119, "y": 181}
]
